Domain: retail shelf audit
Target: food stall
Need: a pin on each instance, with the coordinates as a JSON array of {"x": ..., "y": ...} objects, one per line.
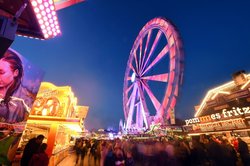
[
  {"x": 224, "y": 110},
  {"x": 56, "y": 115}
]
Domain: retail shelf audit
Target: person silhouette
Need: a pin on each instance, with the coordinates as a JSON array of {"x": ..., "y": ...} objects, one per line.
[{"x": 30, "y": 149}]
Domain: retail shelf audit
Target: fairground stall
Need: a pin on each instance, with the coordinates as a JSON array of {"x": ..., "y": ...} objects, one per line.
[
  {"x": 56, "y": 115},
  {"x": 225, "y": 110}
]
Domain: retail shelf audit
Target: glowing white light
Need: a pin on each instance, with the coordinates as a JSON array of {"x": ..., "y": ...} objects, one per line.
[
  {"x": 40, "y": 21},
  {"x": 44, "y": 31},
  {"x": 36, "y": 10},
  {"x": 34, "y": 3},
  {"x": 51, "y": 2},
  {"x": 43, "y": 13},
  {"x": 42, "y": 26},
  {"x": 51, "y": 20},
  {"x": 54, "y": 18},
  {"x": 48, "y": 10},
  {"x": 38, "y": 16},
  {"x": 39, "y": 1},
  {"x": 53, "y": 13},
  {"x": 41, "y": 7},
  {"x": 46, "y": 4},
  {"x": 45, "y": 18},
  {"x": 44, "y": 112},
  {"x": 52, "y": 7},
  {"x": 133, "y": 77}
]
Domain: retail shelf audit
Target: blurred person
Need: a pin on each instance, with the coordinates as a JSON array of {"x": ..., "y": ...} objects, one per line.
[
  {"x": 214, "y": 150},
  {"x": 110, "y": 158},
  {"x": 30, "y": 149},
  {"x": 78, "y": 148},
  {"x": 84, "y": 151},
  {"x": 119, "y": 157},
  {"x": 244, "y": 152},
  {"x": 230, "y": 155},
  {"x": 104, "y": 152},
  {"x": 41, "y": 158},
  {"x": 95, "y": 151},
  {"x": 198, "y": 153}
]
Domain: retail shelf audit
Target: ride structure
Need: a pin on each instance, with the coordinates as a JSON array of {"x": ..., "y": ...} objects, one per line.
[{"x": 153, "y": 74}]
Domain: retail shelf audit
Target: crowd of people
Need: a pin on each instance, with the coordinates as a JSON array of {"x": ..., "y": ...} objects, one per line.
[
  {"x": 198, "y": 151},
  {"x": 202, "y": 150}
]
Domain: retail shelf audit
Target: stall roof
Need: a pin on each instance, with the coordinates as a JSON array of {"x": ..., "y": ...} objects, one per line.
[{"x": 228, "y": 90}]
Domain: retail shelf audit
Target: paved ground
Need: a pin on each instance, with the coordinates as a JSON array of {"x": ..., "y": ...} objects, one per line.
[{"x": 71, "y": 161}]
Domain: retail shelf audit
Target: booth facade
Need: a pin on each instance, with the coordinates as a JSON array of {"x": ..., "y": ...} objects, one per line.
[
  {"x": 56, "y": 115},
  {"x": 224, "y": 110}
]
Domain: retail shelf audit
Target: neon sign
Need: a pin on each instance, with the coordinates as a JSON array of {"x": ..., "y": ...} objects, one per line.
[{"x": 235, "y": 111}]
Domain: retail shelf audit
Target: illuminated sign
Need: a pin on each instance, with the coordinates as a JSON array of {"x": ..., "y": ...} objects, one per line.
[
  {"x": 235, "y": 111},
  {"x": 222, "y": 125}
]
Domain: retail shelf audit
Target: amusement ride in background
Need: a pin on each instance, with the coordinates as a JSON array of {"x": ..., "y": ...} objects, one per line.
[{"x": 153, "y": 74}]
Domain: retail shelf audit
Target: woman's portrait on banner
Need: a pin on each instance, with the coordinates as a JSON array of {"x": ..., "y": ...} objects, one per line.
[{"x": 19, "y": 84}]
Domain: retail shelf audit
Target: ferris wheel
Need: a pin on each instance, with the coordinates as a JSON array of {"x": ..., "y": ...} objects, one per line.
[{"x": 153, "y": 74}]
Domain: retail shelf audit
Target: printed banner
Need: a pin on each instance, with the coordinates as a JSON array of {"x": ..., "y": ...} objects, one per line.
[{"x": 19, "y": 84}]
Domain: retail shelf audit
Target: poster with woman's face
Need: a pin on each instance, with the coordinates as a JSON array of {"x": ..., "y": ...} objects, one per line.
[{"x": 19, "y": 84}]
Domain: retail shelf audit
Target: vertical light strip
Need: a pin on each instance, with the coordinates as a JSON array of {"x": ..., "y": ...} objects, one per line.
[{"x": 46, "y": 17}]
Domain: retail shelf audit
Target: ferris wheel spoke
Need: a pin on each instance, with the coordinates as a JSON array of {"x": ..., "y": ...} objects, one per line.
[
  {"x": 145, "y": 111},
  {"x": 160, "y": 77},
  {"x": 132, "y": 68},
  {"x": 136, "y": 61},
  {"x": 131, "y": 105},
  {"x": 129, "y": 88},
  {"x": 146, "y": 48},
  {"x": 140, "y": 56},
  {"x": 131, "y": 96},
  {"x": 153, "y": 99},
  {"x": 158, "y": 36},
  {"x": 158, "y": 58}
]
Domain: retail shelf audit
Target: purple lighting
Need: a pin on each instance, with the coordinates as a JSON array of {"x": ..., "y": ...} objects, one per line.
[
  {"x": 44, "y": 10},
  {"x": 35, "y": 18}
]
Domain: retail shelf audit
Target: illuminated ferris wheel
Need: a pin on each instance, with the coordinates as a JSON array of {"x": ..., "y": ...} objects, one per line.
[{"x": 153, "y": 73}]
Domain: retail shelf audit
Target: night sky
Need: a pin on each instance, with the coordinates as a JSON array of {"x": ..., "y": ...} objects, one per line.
[{"x": 97, "y": 35}]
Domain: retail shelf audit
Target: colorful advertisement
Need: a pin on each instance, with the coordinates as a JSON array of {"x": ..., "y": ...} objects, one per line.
[
  {"x": 19, "y": 84},
  {"x": 54, "y": 101}
]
